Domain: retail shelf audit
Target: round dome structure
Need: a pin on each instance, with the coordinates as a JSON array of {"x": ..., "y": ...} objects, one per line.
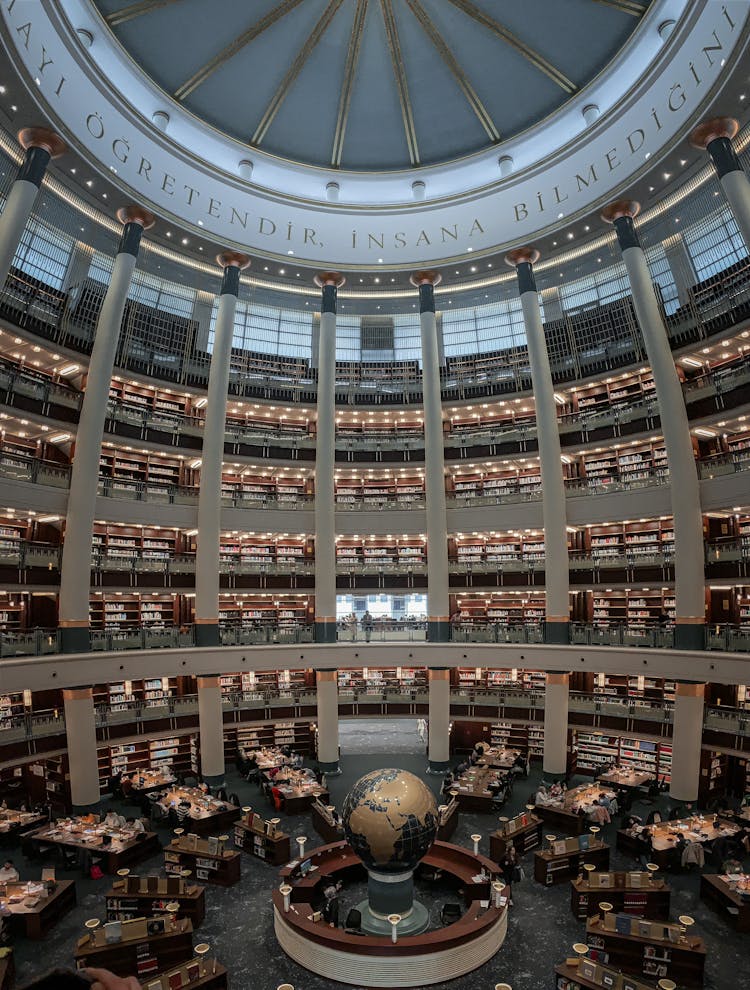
[{"x": 390, "y": 819}]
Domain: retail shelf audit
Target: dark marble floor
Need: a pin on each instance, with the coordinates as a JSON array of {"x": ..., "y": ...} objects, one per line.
[{"x": 239, "y": 925}]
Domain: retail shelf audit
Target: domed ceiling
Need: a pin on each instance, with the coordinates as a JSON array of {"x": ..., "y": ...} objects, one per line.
[{"x": 372, "y": 84}]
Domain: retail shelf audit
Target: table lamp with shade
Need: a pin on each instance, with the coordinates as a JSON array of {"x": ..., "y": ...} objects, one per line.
[
  {"x": 201, "y": 950},
  {"x": 595, "y": 830},
  {"x": 685, "y": 922},
  {"x": 665, "y": 984}
]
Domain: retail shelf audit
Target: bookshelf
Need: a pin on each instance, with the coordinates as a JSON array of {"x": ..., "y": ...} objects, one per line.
[
  {"x": 599, "y": 749},
  {"x": 256, "y": 836},
  {"x": 175, "y": 751},
  {"x": 120, "y": 611}
]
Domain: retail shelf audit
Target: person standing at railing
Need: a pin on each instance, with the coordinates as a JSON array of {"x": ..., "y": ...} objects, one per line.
[
  {"x": 367, "y": 625},
  {"x": 352, "y": 624}
]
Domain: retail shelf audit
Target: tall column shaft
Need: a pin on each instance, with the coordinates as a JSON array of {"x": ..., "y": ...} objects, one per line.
[
  {"x": 75, "y": 574},
  {"x": 686, "y": 741},
  {"x": 438, "y": 609},
  {"x": 556, "y": 723},
  {"x": 80, "y": 728},
  {"x": 328, "y": 721},
  {"x": 557, "y": 608},
  {"x": 325, "y": 459},
  {"x": 211, "y": 728},
  {"x": 212, "y": 457},
  {"x": 438, "y": 745},
  {"x": 684, "y": 486},
  {"x": 41, "y": 146},
  {"x": 715, "y": 135}
]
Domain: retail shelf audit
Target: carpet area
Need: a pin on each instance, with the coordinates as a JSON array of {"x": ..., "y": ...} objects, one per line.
[{"x": 238, "y": 922}]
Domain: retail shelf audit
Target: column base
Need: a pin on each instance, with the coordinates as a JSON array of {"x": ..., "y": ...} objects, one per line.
[
  {"x": 438, "y": 766},
  {"x": 325, "y": 631},
  {"x": 215, "y": 780},
  {"x": 415, "y": 922},
  {"x": 75, "y": 639},
  {"x": 207, "y": 634},
  {"x": 556, "y": 778},
  {"x": 438, "y": 631},
  {"x": 330, "y": 769},
  {"x": 557, "y": 633},
  {"x": 86, "y": 809},
  {"x": 689, "y": 636}
]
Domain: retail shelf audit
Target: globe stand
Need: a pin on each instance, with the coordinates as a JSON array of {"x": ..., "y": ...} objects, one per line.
[{"x": 388, "y": 894}]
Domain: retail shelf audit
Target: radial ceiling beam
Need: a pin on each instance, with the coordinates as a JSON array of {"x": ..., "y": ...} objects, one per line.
[
  {"x": 135, "y": 10},
  {"x": 273, "y": 15},
  {"x": 294, "y": 70},
  {"x": 498, "y": 29},
  {"x": 399, "y": 71},
  {"x": 626, "y": 6},
  {"x": 347, "y": 85},
  {"x": 457, "y": 72}
]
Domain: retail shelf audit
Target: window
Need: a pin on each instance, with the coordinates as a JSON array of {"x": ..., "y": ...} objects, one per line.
[{"x": 44, "y": 253}]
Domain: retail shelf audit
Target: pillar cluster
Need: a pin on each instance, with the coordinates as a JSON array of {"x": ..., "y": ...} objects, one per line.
[{"x": 41, "y": 145}]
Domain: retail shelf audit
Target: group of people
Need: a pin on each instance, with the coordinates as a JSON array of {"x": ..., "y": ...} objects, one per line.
[{"x": 349, "y": 623}]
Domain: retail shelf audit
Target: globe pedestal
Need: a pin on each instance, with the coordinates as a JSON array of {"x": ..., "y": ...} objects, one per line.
[{"x": 392, "y": 893}]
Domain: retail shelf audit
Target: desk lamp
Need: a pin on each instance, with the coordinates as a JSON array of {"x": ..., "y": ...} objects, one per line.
[
  {"x": 476, "y": 839},
  {"x": 301, "y": 840},
  {"x": 605, "y": 907},
  {"x": 394, "y": 920},
  {"x": 286, "y": 892},
  {"x": 685, "y": 922},
  {"x": 201, "y": 950},
  {"x": 550, "y": 839},
  {"x": 595, "y": 830}
]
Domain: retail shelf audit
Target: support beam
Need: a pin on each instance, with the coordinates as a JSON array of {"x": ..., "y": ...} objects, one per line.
[
  {"x": 83, "y": 762},
  {"x": 328, "y": 721},
  {"x": 556, "y": 697},
  {"x": 438, "y": 747},
  {"x": 211, "y": 728},
  {"x": 686, "y": 740}
]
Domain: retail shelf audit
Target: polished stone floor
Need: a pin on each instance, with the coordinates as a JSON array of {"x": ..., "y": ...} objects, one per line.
[{"x": 239, "y": 926}]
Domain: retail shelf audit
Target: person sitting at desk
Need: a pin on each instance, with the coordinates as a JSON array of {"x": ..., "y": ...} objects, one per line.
[
  {"x": 462, "y": 768},
  {"x": 604, "y": 800},
  {"x": 135, "y": 824},
  {"x": 113, "y": 820},
  {"x": 8, "y": 872},
  {"x": 203, "y": 786},
  {"x": 183, "y": 810},
  {"x": 126, "y": 786},
  {"x": 644, "y": 846}
]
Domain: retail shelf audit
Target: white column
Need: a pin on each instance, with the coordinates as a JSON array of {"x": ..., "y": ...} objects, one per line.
[
  {"x": 556, "y": 724},
  {"x": 715, "y": 136},
  {"x": 557, "y": 609},
  {"x": 439, "y": 719},
  {"x": 75, "y": 574},
  {"x": 683, "y": 474},
  {"x": 328, "y": 721},
  {"x": 325, "y": 460},
  {"x": 212, "y": 456},
  {"x": 80, "y": 728},
  {"x": 40, "y": 144},
  {"x": 687, "y": 734},
  {"x": 438, "y": 609},
  {"x": 211, "y": 728}
]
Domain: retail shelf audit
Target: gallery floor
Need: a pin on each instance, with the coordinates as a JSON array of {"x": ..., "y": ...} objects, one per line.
[{"x": 238, "y": 921}]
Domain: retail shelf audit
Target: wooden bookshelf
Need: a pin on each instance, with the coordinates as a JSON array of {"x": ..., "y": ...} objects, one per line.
[
  {"x": 255, "y": 835},
  {"x": 632, "y": 893},
  {"x": 148, "y": 896},
  {"x": 220, "y": 868},
  {"x": 650, "y": 949}
]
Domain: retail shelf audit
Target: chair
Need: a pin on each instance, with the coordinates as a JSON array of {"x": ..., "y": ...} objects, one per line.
[
  {"x": 235, "y": 800},
  {"x": 450, "y": 913},
  {"x": 221, "y": 794},
  {"x": 353, "y": 923},
  {"x": 278, "y": 799},
  {"x": 675, "y": 814},
  {"x": 654, "y": 818}
]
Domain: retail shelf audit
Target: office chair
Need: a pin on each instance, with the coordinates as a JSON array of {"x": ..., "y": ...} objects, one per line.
[
  {"x": 235, "y": 800},
  {"x": 353, "y": 923},
  {"x": 221, "y": 794}
]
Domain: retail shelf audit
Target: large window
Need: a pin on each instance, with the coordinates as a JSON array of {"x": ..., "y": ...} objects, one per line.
[
  {"x": 44, "y": 253},
  {"x": 715, "y": 244},
  {"x": 268, "y": 330}
]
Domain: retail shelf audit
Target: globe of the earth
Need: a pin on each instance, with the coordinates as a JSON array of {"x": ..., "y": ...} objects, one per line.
[{"x": 390, "y": 819}]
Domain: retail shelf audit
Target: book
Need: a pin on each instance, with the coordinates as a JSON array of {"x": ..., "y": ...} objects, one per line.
[{"x": 622, "y": 924}]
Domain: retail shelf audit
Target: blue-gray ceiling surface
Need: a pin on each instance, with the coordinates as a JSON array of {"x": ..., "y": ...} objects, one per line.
[{"x": 455, "y": 67}]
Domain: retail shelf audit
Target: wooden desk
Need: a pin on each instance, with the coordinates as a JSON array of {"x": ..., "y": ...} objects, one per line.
[
  {"x": 565, "y": 816},
  {"x": 126, "y": 899},
  {"x": 16, "y": 823},
  {"x": 36, "y": 921},
  {"x": 328, "y": 831},
  {"x": 553, "y": 868},
  {"x": 274, "y": 849},
  {"x": 298, "y": 798},
  {"x": 498, "y": 758},
  {"x": 429, "y": 958},
  {"x": 665, "y": 834},
  {"x": 127, "y": 958},
  {"x": 647, "y": 901},
  {"x": 717, "y": 893},
  {"x": 125, "y": 849},
  {"x": 222, "y": 869},
  {"x": 625, "y": 779},
  {"x": 208, "y": 815},
  {"x": 637, "y": 953},
  {"x": 472, "y": 787},
  {"x": 153, "y": 780},
  {"x": 524, "y": 839}
]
